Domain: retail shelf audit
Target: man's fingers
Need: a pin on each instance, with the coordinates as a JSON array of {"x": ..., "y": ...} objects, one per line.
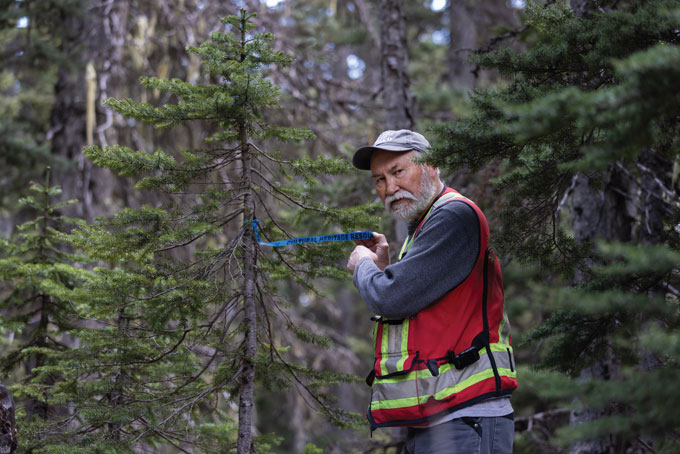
[
  {"x": 376, "y": 239},
  {"x": 357, "y": 254},
  {"x": 366, "y": 243},
  {"x": 379, "y": 239}
]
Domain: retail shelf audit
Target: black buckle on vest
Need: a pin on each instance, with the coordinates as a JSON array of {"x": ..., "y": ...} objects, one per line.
[
  {"x": 432, "y": 367},
  {"x": 371, "y": 378},
  {"x": 464, "y": 358},
  {"x": 387, "y": 321}
]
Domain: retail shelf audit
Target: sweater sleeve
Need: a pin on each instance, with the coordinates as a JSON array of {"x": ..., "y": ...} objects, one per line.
[{"x": 441, "y": 257}]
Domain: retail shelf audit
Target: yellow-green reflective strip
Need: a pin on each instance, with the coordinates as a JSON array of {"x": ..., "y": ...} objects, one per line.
[
  {"x": 404, "y": 345},
  {"x": 406, "y": 246},
  {"x": 500, "y": 328},
  {"x": 383, "y": 351},
  {"x": 442, "y": 394},
  {"x": 497, "y": 347},
  {"x": 375, "y": 334},
  {"x": 443, "y": 368},
  {"x": 450, "y": 196}
]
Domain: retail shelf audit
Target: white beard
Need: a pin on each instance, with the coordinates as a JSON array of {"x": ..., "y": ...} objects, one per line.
[{"x": 407, "y": 211}]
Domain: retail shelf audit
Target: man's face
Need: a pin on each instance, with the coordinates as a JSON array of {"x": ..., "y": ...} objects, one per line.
[{"x": 406, "y": 188}]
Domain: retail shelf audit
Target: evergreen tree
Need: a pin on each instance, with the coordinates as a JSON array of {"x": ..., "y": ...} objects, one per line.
[
  {"x": 34, "y": 273},
  {"x": 188, "y": 296},
  {"x": 586, "y": 132}
]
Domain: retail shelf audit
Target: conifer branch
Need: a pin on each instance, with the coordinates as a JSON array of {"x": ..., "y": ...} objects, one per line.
[
  {"x": 293, "y": 373},
  {"x": 501, "y": 37},
  {"x": 263, "y": 164},
  {"x": 178, "y": 411},
  {"x": 669, "y": 288},
  {"x": 229, "y": 217},
  {"x": 169, "y": 440},
  {"x": 266, "y": 317},
  {"x": 222, "y": 312},
  {"x": 670, "y": 194},
  {"x": 157, "y": 358},
  {"x": 204, "y": 368},
  {"x": 268, "y": 156},
  {"x": 272, "y": 218},
  {"x": 296, "y": 202}
]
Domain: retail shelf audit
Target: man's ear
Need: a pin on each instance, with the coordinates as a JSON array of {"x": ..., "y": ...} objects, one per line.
[{"x": 431, "y": 171}]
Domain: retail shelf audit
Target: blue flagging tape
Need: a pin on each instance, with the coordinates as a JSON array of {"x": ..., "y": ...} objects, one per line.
[{"x": 350, "y": 236}]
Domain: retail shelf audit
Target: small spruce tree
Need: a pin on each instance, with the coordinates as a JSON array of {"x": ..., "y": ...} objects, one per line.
[
  {"x": 35, "y": 317},
  {"x": 188, "y": 301}
]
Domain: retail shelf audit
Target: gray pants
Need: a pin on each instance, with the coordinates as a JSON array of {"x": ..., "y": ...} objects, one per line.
[{"x": 463, "y": 436}]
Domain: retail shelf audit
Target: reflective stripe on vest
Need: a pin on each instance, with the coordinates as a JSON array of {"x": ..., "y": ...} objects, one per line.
[
  {"x": 393, "y": 339},
  {"x": 418, "y": 386}
]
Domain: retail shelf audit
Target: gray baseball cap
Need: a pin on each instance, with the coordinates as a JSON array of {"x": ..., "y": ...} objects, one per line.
[{"x": 397, "y": 141}]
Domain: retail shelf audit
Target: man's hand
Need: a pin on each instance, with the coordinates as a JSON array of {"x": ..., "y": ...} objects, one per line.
[
  {"x": 377, "y": 248},
  {"x": 358, "y": 253}
]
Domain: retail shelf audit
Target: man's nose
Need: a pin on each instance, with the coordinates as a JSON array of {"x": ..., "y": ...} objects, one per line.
[{"x": 392, "y": 186}]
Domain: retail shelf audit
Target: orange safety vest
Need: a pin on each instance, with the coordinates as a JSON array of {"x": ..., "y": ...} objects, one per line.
[{"x": 452, "y": 354}]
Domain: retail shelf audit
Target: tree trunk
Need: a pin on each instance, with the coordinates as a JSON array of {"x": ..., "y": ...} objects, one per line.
[
  {"x": 246, "y": 402},
  {"x": 250, "y": 317},
  {"x": 394, "y": 63},
  {"x": 651, "y": 204},
  {"x": 96, "y": 40},
  {"x": 599, "y": 214},
  {"x": 250, "y": 321},
  {"x": 463, "y": 34},
  {"x": 110, "y": 83},
  {"x": 396, "y": 91}
]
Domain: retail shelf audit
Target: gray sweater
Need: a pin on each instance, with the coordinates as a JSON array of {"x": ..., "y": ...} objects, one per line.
[{"x": 441, "y": 257}]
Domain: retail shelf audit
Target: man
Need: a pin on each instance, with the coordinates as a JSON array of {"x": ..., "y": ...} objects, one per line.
[{"x": 443, "y": 360}]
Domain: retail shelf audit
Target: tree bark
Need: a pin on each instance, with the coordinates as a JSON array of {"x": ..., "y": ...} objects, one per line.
[
  {"x": 471, "y": 24},
  {"x": 394, "y": 63},
  {"x": 463, "y": 34},
  {"x": 599, "y": 214},
  {"x": 246, "y": 402},
  {"x": 86, "y": 38},
  {"x": 396, "y": 91},
  {"x": 651, "y": 203},
  {"x": 111, "y": 74}
]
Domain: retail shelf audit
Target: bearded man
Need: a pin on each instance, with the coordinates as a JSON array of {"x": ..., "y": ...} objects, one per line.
[{"x": 444, "y": 365}]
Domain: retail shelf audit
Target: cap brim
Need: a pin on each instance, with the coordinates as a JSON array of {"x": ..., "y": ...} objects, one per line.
[{"x": 362, "y": 157}]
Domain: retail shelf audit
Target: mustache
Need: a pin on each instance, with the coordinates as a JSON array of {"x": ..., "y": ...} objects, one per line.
[{"x": 402, "y": 194}]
